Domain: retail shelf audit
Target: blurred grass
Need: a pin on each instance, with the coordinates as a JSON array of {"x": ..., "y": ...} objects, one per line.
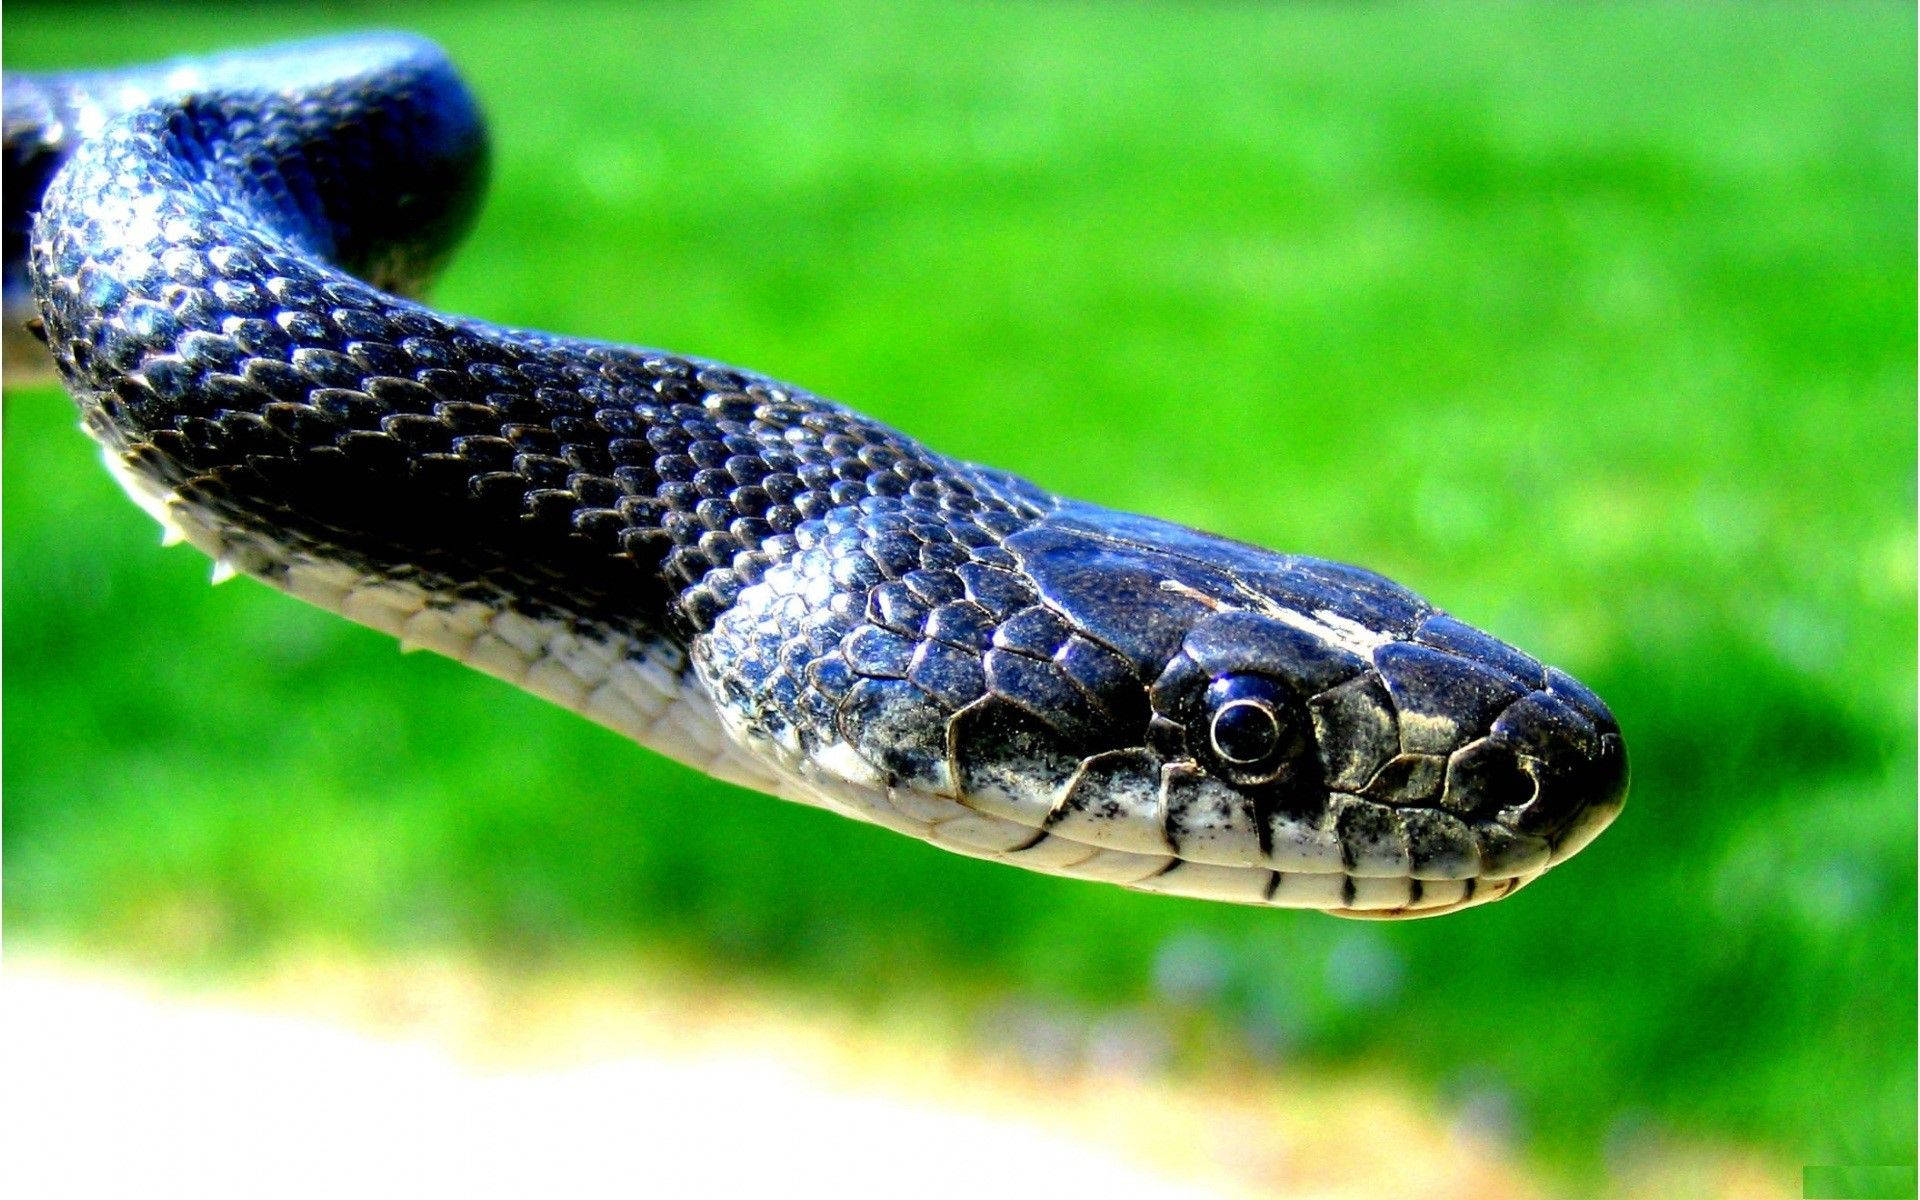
[{"x": 1596, "y": 325}]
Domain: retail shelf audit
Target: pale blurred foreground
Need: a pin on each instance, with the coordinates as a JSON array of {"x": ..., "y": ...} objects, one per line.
[{"x": 332, "y": 1078}]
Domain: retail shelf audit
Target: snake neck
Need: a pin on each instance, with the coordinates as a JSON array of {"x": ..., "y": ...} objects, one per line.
[{"x": 199, "y": 270}]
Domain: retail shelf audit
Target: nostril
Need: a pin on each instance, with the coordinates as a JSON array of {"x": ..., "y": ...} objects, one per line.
[
  {"x": 1555, "y": 802},
  {"x": 1484, "y": 778},
  {"x": 1581, "y": 788}
]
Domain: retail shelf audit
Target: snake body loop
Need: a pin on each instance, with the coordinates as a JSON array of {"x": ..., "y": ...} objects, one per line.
[{"x": 751, "y": 579}]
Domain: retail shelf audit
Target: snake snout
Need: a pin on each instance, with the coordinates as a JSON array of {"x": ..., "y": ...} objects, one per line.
[
  {"x": 1518, "y": 759},
  {"x": 1533, "y": 760},
  {"x": 1567, "y": 746}
]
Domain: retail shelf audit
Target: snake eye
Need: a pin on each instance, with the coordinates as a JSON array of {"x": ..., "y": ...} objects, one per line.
[
  {"x": 1244, "y": 731},
  {"x": 1252, "y": 727}
]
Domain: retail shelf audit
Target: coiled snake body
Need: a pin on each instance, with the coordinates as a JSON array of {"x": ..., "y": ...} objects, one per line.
[{"x": 741, "y": 575}]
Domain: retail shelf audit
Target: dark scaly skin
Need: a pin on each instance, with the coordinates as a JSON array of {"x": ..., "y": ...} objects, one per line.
[{"x": 873, "y": 625}]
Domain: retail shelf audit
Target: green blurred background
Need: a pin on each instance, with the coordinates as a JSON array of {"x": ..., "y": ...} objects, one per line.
[{"x": 1595, "y": 325}]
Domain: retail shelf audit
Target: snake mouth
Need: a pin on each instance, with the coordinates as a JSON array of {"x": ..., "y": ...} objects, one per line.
[
  {"x": 1446, "y": 865},
  {"x": 1479, "y": 892},
  {"x": 1420, "y": 832},
  {"x": 1545, "y": 776},
  {"x": 1170, "y": 827},
  {"x": 1374, "y": 861}
]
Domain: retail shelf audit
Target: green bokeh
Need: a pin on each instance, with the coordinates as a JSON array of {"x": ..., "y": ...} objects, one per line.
[{"x": 1595, "y": 325}]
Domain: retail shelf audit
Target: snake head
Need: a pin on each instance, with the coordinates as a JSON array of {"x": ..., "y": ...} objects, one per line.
[{"x": 1271, "y": 728}]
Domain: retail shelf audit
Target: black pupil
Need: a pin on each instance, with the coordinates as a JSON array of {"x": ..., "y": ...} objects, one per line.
[{"x": 1245, "y": 731}]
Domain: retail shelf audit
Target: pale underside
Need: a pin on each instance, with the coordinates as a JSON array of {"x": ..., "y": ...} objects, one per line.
[{"x": 647, "y": 690}]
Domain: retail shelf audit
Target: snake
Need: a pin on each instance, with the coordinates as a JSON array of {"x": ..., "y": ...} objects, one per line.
[{"x": 222, "y": 259}]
